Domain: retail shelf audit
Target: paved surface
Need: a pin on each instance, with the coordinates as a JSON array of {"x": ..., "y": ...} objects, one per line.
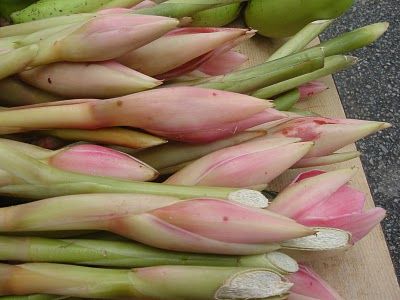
[{"x": 371, "y": 90}]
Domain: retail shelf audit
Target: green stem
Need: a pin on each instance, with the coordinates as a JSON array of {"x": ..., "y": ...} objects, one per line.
[
  {"x": 124, "y": 254},
  {"x": 266, "y": 74},
  {"x": 43, "y": 179},
  {"x": 301, "y": 39},
  {"x": 165, "y": 282},
  {"x": 332, "y": 65},
  {"x": 355, "y": 39},
  {"x": 287, "y": 100}
]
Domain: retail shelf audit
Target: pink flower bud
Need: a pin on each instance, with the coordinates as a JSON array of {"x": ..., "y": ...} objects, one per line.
[
  {"x": 211, "y": 226},
  {"x": 329, "y": 135},
  {"x": 101, "y": 161},
  {"x": 320, "y": 199},
  {"x": 249, "y": 164}
]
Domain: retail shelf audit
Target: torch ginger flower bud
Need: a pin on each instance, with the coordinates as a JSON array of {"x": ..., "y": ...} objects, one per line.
[
  {"x": 90, "y": 160},
  {"x": 103, "y": 37},
  {"x": 88, "y": 80},
  {"x": 186, "y": 49},
  {"x": 327, "y": 134},
  {"x": 170, "y": 112},
  {"x": 202, "y": 225},
  {"x": 249, "y": 164},
  {"x": 316, "y": 198}
]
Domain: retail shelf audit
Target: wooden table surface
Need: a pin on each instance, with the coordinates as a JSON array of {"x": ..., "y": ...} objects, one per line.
[{"x": 365, "y": 272}]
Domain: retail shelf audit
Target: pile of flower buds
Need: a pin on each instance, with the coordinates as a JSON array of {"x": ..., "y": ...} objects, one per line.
[{"x": 142, "y": 144}]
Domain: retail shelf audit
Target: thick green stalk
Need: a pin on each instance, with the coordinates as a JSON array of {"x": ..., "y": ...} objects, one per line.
[
  {"x": 165, "y": 282},
  {"x": 301, "y": 39},
  {"x": 44, "y": 180},
  {"x": 183, "y": 8},
  {"x": 124, "y": 254},
  {"x": 355, "y": 39},
  {"x": 266, "y": 74},
  {"x": 287, "y": 100},
  {"x": 332, "y": 65}
]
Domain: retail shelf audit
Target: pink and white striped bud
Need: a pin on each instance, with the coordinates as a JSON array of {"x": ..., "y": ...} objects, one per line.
[
  {"x": 307, "y": 285},
  {"x": 312, "y": 88},
  {"x": 88, "y": 80},
  {"x": 329, "y": 135},
  {"x": 101, "y": 161},
  {"x": 184, "y": 48},
  {"x": 103, "y": 37},
  {"x": 249, "y": 164},
  {"x": 320, "y": 199},
  {"x": 210, "y": 226}
]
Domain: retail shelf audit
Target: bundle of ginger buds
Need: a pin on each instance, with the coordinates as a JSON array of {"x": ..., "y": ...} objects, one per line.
[{"x": 139, "y": 149}]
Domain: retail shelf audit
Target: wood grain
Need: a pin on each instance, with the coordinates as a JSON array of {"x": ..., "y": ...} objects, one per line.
[{"x": 365, "y": 272}]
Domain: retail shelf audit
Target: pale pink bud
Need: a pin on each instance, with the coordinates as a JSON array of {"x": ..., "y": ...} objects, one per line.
[
  {"x": 180, "y": 51},
  {"x": 101, "y": 161},
  {"x": 179, "y": 110},
  {"x": 169, "y": 112},
  {"x": 308, "y": 285},
  {"x": 103, "y": 37},
  {"x": 329, "y": 135},
  {"x": 320, "y": 199},
  {"x": 88, "y": 80},
  {"x": 211, "y": 226},
  {"x": 249, "y": 164}
]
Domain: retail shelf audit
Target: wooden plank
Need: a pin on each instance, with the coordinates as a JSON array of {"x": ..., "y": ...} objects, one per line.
[{"x": 365, "y": 271}]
